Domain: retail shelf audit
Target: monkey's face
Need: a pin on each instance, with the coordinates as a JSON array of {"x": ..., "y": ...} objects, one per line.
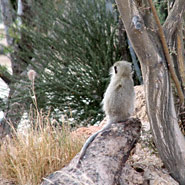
[{"x": 122, "y": 68}]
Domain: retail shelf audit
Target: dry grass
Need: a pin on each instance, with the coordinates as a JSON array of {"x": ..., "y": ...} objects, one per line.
[{"x": 45, "y": 148}]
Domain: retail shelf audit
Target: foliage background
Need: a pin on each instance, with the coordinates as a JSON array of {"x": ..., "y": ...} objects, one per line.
[{"x": 71, "y": 45}]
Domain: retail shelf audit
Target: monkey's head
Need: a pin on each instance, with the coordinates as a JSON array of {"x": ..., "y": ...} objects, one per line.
[{"x": 122, "y": 68}]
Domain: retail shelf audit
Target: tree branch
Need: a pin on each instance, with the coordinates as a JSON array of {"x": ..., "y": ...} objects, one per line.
[
  {"x": 172, "y": 21},
  {"x": 5, "y": 79},
  {"x": 5, "y": 75},
  {"x": 166, "y": 52}
]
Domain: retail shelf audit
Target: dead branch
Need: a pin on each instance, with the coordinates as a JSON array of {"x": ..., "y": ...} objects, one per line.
[{"x": 180, "y": 55}]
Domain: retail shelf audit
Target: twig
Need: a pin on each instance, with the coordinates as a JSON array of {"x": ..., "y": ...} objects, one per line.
[
  {"x": 180, "y": 56},
  {"x": 5, "y": 77}
]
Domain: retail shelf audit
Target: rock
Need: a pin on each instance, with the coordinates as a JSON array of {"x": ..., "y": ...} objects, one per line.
[
  {"x": 140, "y": 104},
  {"x": 104, "y": 160}
]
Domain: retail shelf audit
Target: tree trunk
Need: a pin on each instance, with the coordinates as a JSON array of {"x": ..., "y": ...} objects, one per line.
[
  {"x": 128, "y": 53},
  {"x": 14, "y": 110},
  {"x": 104, "y": 162},
  {"x": 142, "y": 32},
  {"x": 8, "y": 20},
  {"x": 7, "y": 15},
  {"x": 123, "y": 44}
]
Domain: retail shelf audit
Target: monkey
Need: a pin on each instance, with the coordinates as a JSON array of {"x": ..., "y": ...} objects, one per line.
[{"x": 118, "y": 101}]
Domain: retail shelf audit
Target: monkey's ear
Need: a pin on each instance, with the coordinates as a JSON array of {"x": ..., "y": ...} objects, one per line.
[{"x": 115, "y": 69}]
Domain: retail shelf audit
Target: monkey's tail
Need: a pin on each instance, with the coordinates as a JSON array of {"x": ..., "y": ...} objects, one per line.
[
  {"x": 90, "y": 140},
  {"x": 87, "y": 143}
]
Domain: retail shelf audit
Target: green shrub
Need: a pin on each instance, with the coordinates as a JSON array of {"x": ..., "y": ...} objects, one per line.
[
  {"x": 72, "y": 45},
  {"x": 162, "y": 9}
]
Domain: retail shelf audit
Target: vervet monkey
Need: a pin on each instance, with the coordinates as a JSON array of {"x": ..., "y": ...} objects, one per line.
[{"x": 118, "y": 101}]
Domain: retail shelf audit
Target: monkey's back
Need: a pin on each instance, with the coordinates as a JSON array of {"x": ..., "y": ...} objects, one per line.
[{"x": 118, "y": 102}]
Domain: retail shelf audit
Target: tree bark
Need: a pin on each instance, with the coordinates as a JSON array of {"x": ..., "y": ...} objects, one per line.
[
  {"x": 105, "y": 158},
  {"x": 175, "y": 16},
  {"x": 14, "y": 110},
  {"x": 7, "y": 15},
  {"x": 142, "y": 32}
]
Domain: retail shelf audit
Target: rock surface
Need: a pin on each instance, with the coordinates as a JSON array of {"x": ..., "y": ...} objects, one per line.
[{"x": 104, "y": 161}]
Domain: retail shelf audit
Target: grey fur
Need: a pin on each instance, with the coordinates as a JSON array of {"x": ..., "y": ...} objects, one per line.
[{"x": 118, "y": 102}]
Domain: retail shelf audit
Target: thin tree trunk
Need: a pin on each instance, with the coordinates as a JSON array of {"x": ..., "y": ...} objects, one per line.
[
  {"x": 128, "y": 53},
  {"x": 7, "y": 15},
  {"x": 8, "y": 19},
  {"x": 135, "y": 62},
  {"x": 14, "y": 110},
  {"x": 142, "y": 32}
]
